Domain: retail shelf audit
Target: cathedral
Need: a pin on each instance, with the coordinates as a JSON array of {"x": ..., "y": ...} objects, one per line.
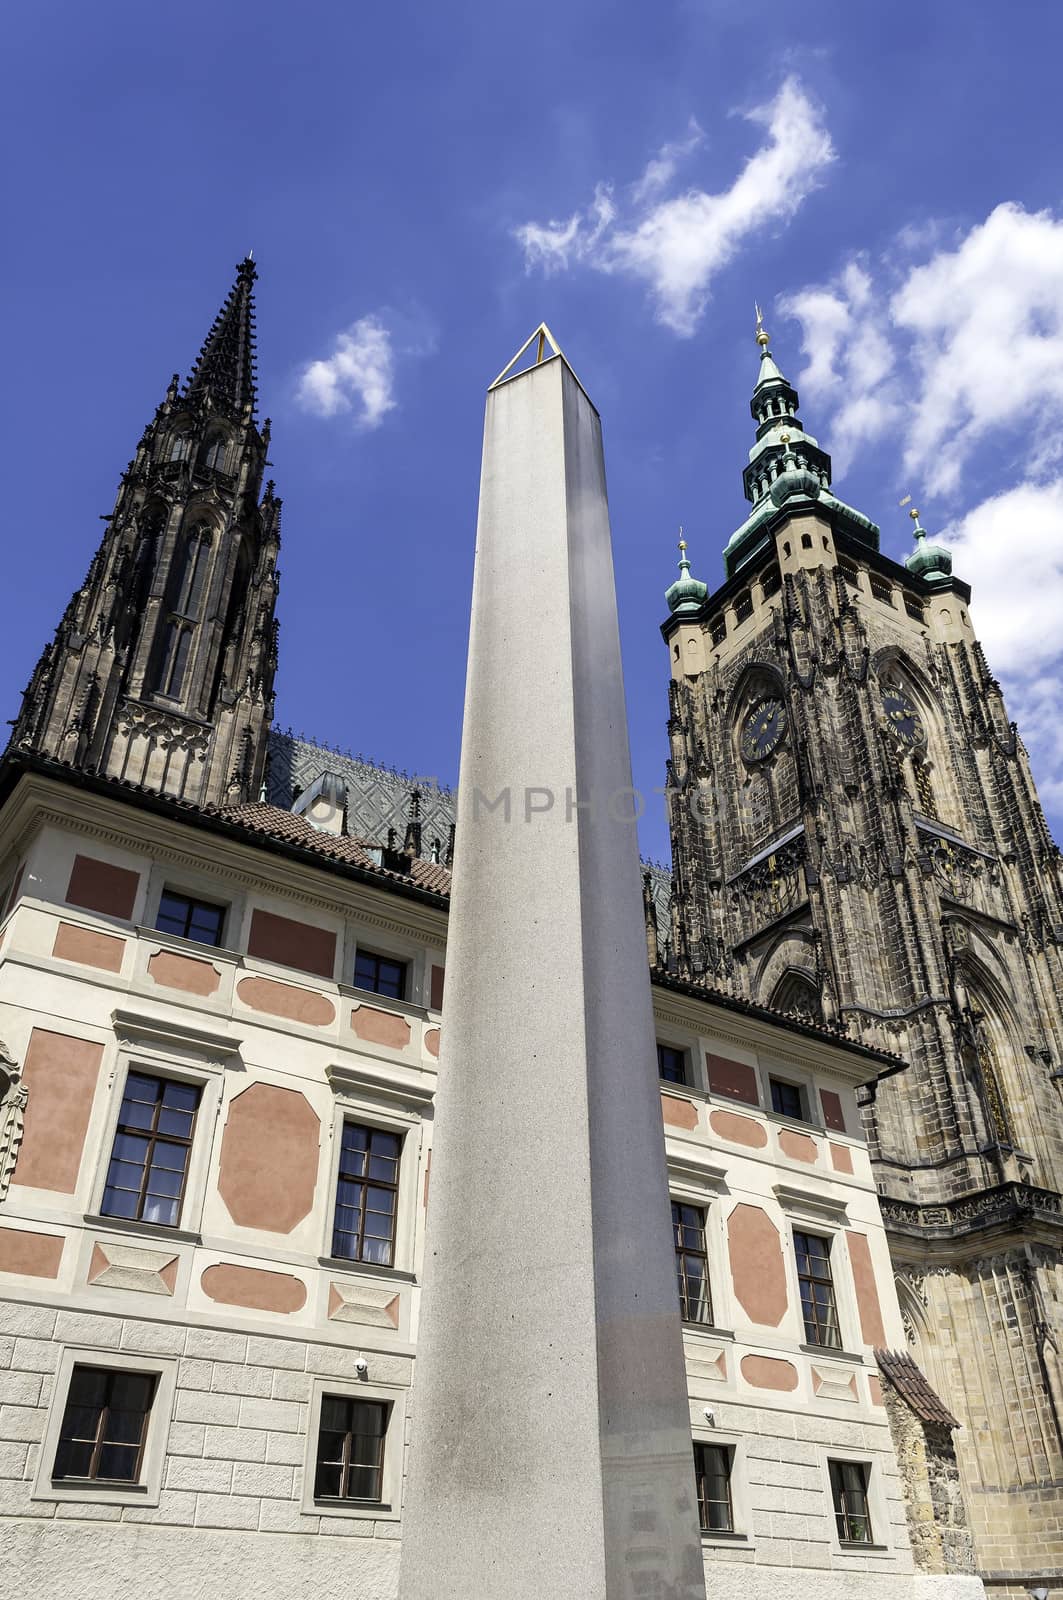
[{"x": 222, "y": 964}]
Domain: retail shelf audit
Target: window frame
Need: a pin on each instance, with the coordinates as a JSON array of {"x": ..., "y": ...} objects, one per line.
[
  {"x": 193, "y": 902},
  {"x": 808, "y": 1231},
  {"x": 803, "y": 1098},
  {"x": 693, "y": 1181},
  {"x": 741, "y": 1531},
  {"x": 366, "y": 1182},
  {"x": 146, "y": 1491},
  {"x": 701, "y": 1447},
  {"x": 355, "y": 1102},
  {"x": 682, "y": 1251},
  {"x": 154, "y": 1138},
  {"x": 883, "y": 1539},
  {"x": 389, "y": 1507},
  {"x": 167, "y": 1051},
  {"x": 684, "y": 1054},
  {"x": 379, "y": 956}
]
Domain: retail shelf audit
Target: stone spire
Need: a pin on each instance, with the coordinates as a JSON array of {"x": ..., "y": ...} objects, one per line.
[
  {"x": 225, "y": 369},
  {"x": 161, "y": 670}
]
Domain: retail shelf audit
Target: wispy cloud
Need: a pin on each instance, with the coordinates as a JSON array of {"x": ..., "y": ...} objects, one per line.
[
  {"x": 677, "y": 243},
  {"x": 950, "y": 346},
  {"x": 357, "y": 378}
]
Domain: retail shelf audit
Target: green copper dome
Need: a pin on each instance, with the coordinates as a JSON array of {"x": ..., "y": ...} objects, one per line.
[
  {"x": 686, "y": 594},
  {"x": 931, "y": 562}
]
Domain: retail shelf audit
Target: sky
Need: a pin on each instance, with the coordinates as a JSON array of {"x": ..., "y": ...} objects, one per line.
[{"x": 423, "y": 184}]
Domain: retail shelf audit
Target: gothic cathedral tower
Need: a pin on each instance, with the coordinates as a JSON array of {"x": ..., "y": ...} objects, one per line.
[
  {"x": 161, "y": 670},
  {"x": 857, "y": 838}
]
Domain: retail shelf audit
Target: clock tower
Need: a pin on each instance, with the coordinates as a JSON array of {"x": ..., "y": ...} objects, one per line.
[{"x": 857, "y": 839}]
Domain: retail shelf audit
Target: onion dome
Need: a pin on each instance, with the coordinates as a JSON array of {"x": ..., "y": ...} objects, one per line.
[
  {"x": 931, "y": 562},
  {"x": 686, "y": 594}
]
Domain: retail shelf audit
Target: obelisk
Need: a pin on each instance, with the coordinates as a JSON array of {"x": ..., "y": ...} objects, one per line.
[{"x": 551, "y": 1454}]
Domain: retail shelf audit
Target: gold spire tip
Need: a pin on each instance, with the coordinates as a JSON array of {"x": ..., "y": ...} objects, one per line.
[{"x": 763, "y": 337}]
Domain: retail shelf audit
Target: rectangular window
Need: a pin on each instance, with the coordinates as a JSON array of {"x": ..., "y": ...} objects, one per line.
[
  {"x": 743, "y": 606},
  {"x": 152, "y": 1144},
  {"x": 848, "y": 1483},
  {"x": 787, "y": 1099},
  {"x": 381, "y": 974},
  {"x": 691, "y": 1263},
  {"x": 672, "y": 1064},
  {"x": 718, "y": 630},
  {"x": 712, "y": 1470},
  {"x": 817, "y": 1290},
  {"x": 881, "y": 589},
  {"x": 190, "y": 919},
  {"x": 350, "y": 1449},
  {"x": 367, "y": 1193},
  {"x": 101, "y": 1438},
  {"x": 914, "y": 608}
]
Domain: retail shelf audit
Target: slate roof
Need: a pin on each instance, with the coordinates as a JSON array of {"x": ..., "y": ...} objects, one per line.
[{"x": 911, "y": 1384}]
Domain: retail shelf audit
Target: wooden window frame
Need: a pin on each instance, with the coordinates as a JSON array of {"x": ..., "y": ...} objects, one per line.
[
  {"x": 111, "y": 1375},
  {"x": 814, "y": 1329},
  {"x": 378, "y": 959},
  {"x": 684, "y": 1081},
  {"x": 801, "y": 1115},
  {"x": 193, "y": 904},
  {"x": 844, "y": 1516},
  {"x": 345, "y": 1463},
  {"x": 108, "y": 1491},
  {"x": 702, "y": 1449},
  {"x": 154, "y": 1138},
  {"x": 394, "y": 1397},
  {"x": 688, "y": 1300},
  {"x": 394, "y": 1188}
]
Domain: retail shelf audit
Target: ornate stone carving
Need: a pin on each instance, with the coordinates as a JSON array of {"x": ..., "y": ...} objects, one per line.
[{"x": 13, "y": 1097}]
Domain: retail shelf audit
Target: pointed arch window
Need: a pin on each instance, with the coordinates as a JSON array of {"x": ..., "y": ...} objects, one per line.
[
  {"x": 173, "y": 658},
  {"x": 213, "y": 454},
  {"x": 180, "y": 447},
  {"x": 190, "y": 573},
  {"x": 796, "y": 995}
]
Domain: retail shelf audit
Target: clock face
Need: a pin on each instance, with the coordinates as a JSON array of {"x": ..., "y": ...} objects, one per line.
[
  {"x": 763, "y": 730},
  {"x": 902, "y": 719}
]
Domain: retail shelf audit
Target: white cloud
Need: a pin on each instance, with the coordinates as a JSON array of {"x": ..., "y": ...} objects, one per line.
[
  {"x": 956, "y": 359},
  {"x": 1010, "y": 550},
  {"x": 359, "y": 376},
  {"x": 677, "y": 244},
  {"x": 964, "y": 345}
]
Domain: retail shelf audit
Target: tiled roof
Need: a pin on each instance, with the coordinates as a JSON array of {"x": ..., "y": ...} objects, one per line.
[
  {"x": 911, "y": 1384},
  {"x": 272, "y": 823}
]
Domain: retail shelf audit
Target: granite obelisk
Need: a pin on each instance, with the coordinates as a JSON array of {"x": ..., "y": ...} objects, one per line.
[{"x": 551, "y": 1452}]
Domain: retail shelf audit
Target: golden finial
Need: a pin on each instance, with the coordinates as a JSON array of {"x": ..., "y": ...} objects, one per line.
[
  {"x": 784, "y": 439},
  {"x": 682, "y": 541},
  {"x": 907, "y": 501},
  {"x": 763, "y": 336}
]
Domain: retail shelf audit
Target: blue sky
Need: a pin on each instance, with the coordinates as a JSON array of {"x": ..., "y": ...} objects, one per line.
[{"x": 422, "y": 184}]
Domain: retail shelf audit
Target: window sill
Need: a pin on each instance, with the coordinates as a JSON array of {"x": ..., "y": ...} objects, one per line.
[
  {"x": 855, "y": 1549},
  {"x": 191, "y": 946},
  {"x": 370, "y": 1510},
  {"x": 711, "y": 1536},
  {"x": 832, "y": 1353},
  {"x": 369, "y": 1268},
  {"x": 147, "y": 1230},
  {"x": 72, "y": 1491},
  {"x": 708, "y": 1329}
]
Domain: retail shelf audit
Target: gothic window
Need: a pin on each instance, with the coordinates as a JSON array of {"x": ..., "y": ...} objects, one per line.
[
  {"x": 759, "y": 806},
  {"x": 784, "y": 777},
  {"x": 795, "y": 995},
  {"x": 173, "y": 659},
  {"x": 212, "y": 455},
  {"x": 180, "y": 447},
  {"x": 189, "y": 574}
]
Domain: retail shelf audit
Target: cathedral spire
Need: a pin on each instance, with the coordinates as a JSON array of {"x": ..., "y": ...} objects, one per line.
[
  {"x": 225, "y": 369},
  {"x": 161, "y": 671}
]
